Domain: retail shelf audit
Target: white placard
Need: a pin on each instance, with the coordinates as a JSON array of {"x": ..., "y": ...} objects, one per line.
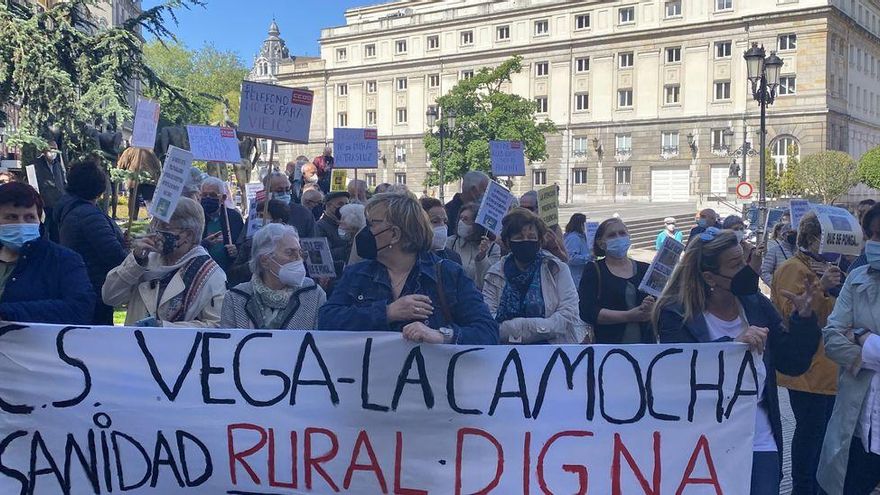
[
  {"x": 146, "y": 120},
  {"x": 177, "y": 411},
  {"x": 275, "y": 112},
  {"x": 507, "y": 158},
  {"x": 355, "y": 148},
  {"x": 798, "y": 208},
  {"x": 591, "y": 229},
  {"x": 213, "y": 144},
  {"x": 175, "y": 173},
  {"x": 661, "y": 268},
  {"x": 317, "y": 257},
  {"x": 841, "y": 232},
  {"x": 496, "y": 202},
  {"x": 32, "y": 177}
]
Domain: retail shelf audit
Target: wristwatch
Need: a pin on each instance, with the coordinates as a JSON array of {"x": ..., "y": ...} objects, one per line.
[
  {"x": 448, "y": 334},
  {"x": 858, "y": 333}
]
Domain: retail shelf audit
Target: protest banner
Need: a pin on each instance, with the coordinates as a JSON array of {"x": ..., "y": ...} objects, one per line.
[
  {"x": 798, "y": 208},
  {"x": 355, "y": 148},
  {"x": 496, "y": 202},
  {"x": 175, "y": 172},
  {"x": 507, "y": 158},
  {"x": 339, "y": 180},
  {"x": 548, "y": 205},
  {"x": 216, "y": 411},
  {"x": 213, "y": 144},
  {"x": 591, "y": 229},
  {"x": 661, "y": 268},
  {"x": 146, "y": 120},
  {"x": 275, "y": 112},
  {"x": 317, "y": 257},
  {"x": 841, "y": 232},
  {"x": 774, "y": 216}
]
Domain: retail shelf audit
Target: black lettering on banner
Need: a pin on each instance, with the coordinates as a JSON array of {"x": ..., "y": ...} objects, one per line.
[
  {"x": 450, "y": 383},
  {"x": 90, "y": 465},
  {"x": 181, "y": 448},
  {"x": 76, "y": 363},
  {"x": 308, "y": 343},
  {"x": 415, "y": 355},
  {"x": 7, "y": 471},
  {"x": 649, "y": 385},
  {"x": 697, "y": 387},
  {"x": 637, "y": 372},
  {"x": 6, "y": 406},
  {"x": 208, "y": 370},
  {"x": 37, "y": 442},
  {"x": 365, "y": 380},
  {"x": 236, "y": 373},
  {"x": 115, "y": 436},
  {"x": 747, "y": 362},
  {"x": 569, "y": 368},
  {"x": 168, "y": 460},
  {"x": 154, "y": 368},
  {"x": 521, "y": 391}
]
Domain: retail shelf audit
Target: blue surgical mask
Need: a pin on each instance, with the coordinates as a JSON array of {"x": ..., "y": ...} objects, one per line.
[
  {"x": 872, "y": 254},
  {"x": 617, "y": 247},
  {"x": 16, "y": 235},
  {"x": 702, "y": 223},
  {"x": 285, "y": 197}
]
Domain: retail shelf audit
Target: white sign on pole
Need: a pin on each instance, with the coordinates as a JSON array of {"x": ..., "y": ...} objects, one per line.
[
  {"x": 146, "y": 120},
  {"x": 212, "y": 411},
  {"x": 798, "y": 208},
  {"x": 175, "y": 173},
  {"x": 507, "y": 158},
  {"x": 32, "y": 177},
  {"x": 841, "y": 233},
  {"x": 355, "y": 148},
  {"x": 496, "y": 202},
  {"x": 275, "y": 112},
  {"x": 661, "y": 268},
  {"x": 317, "y": 257},
  {"x": 213, "y": 144}
]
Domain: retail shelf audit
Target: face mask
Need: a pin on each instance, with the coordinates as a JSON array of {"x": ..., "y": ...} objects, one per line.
[
  {"x": 744, "y": 283},
  {"x": 617, "y": 247},
  {"x": 291, "y": 274},
  {"x": 313, "y": 179},
  {"x": 169, "y": 242},
  {"x": 524, "y": 251},
  {"x": 365, "y": 243},
  {"x": 872, "y": 254},
  {"x": 791, "y": 238},
  {"x": 317, "y": 212},
  {"x": 336, "y": 214},
  {"x": 210, "y": 205},
  {"x": 702, "y": 223},
  {"x": 670, "y": 227},
  {"x": 51, "y": 156},
  {"x": 740, "y": 235},
  {"x": 464, "y": 230},
  {"x": 284, "y": 197},
  {"x": 342, "y": 233},
  {"x": 16, "y": 235},
  {"x": 438, "y": 243}
]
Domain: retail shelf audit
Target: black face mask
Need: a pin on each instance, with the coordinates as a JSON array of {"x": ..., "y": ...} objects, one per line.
[
  {"x": 791, "y": 238},
  {"x": 744, "y": 283},
  {"x": 365, "y": 243},
  {"x": 335, "y": 214},
  {"x": 525, "y": 251},
  {"x": 210, "y": 205},
  {"x": 317, "y": 211},
  {"x": 169, "y": 242}
]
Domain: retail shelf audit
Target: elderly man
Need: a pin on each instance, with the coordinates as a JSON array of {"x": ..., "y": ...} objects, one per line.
[
  {"x": 313, "y": 199},
  {"x": 223, "y": 225},
  {"x": 324, "y": 166},
  {"x": 357, "y": 189},
  {"x": 553, "y": 241},
  {"x": 473, "y": 186},
  {"x": 705, "y": 218},
  {"x": 278, "y": 186},
  {"x": 328, "y": 226}
]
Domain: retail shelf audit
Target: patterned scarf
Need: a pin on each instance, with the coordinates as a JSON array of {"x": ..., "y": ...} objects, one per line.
[
  {"x": 521, "y": 296},
  {"x": 270, "y": 298}
]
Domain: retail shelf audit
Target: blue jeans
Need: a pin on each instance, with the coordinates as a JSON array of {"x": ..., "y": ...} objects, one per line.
[
  {"x": 765, "y": 473},
  {"x": 811, "y": 414}
]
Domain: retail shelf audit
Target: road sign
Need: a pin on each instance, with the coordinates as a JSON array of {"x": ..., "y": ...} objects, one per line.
[{"x": 744, "y": 190}]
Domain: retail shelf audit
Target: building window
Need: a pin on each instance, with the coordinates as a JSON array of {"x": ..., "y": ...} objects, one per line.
[
  {"x": 542, "y": 69},
  {"x": 673, "y": 8},
  {"x": 782, "y": 149},
  {"x": 371, "y": 118},
  {"x": 541, "y": 104},
  {"x": 371, "y": 180},
  {"x": 399, "y": 153},
  {"x": 401, "y": 84},
  {"x": 370, "y": 50},
  {"x": 400, "y": 178},
  {"x": 722, "y": 90},
  {"x": 721, "y": 5},
  {"x": 673, "y": 55},
  {"x": 719, "y": 140},
  {"x": 342, "y": 89},
  {"x": 626, "y": 15},
  {"x": 433, "y": 42},
  {"x": 622, "y": 144},
  {"x": 626, "y": 60},
  {"x": 401, "y": 116},
  {"x": 467, "y": 38},
  {"x": 583, "y": 64},
  {"x": 723, "y": 49},
  {"x": 669, "y": 142},
  {"x": 625, "y": 98},
  {"x": 400, "y": 46},
  {"x": 787, "y": 85},
  {"x": 467, "y": 74},
  {"x": 786, "y": 42},
  {"x": 579, "y": 146},
  {"x": 672, "y": 94},
  {"x": 371, "y": 87},
  {"x": 502, "y": 33},
  {"x": 579, "y": 176},
  {"x": 539, "y": 177},
  {"x": 434, "y": 81},
  {"x": 623, "y": 175},
  {"x": 341, "y": 54},
  {"x": 542, "y": 27},
  {"x": 582, "y": 21},
  {"x": 581, "y": 102},
  {"x": 342, "y": 119}
]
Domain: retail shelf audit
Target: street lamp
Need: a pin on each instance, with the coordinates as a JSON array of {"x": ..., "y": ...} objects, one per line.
[
  {"x": 434, "y": 114},
  {"x": 763, "y": 74}
]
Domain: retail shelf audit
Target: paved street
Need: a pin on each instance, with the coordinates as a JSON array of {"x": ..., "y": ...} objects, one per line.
[{"x": 627, "y": 211}]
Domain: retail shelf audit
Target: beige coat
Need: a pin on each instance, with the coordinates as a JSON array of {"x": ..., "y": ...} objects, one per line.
[
  {"x": 468, "y": 251},
  {"x": 561, "y": 324},
  {"x": 129, "y": 284}
]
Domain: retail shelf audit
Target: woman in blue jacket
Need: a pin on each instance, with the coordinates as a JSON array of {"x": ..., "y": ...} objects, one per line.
[{"x": 402, "y": 286}]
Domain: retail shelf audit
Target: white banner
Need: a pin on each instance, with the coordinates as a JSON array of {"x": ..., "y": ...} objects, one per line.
[
  {"x": 175, "y": 172},
  {"x": 213, "y": 411},
  {"x": 275, "y": 112},
  {"x": 213, "y": 144},
  {"x": 507, "y": 158},
  {"x": 146, "y": 120},
  {"x": 841, "y": 232},
  {"x": 355, "y": 148}
]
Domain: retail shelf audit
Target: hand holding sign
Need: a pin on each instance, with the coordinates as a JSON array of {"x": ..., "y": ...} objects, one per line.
[{"x": 755, "y": 337}]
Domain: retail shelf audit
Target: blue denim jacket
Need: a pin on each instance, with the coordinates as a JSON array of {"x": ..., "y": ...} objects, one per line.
[{"x": 361, "y": 298}]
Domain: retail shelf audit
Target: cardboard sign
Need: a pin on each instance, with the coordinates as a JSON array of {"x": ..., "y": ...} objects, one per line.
[
  {"x": 548, "y": 205},
  {"x": 496, "y": 202},
  {"x": 661, "y": 268},
  {"x": 507, "y": 158},
  {"x": 317, "y": 257},
  {"x": 275, "y": 112},
  {"x": 355, "y": 148},
  {"x": 213, "y": 144},
  {"x": 841, "y": 233},
  {"x": 339, "y": 180},
  {"x": 591, "y": 229},
  {"x": 146, "y": 120},
  {"x": 214, "y": 411},
  {"x": 798, "y": 208},
  {"x": 175, "y": 173}
]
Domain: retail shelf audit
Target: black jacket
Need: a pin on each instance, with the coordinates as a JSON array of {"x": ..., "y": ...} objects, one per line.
[
  {"x": 453, "y": 207},
  {"x": 340, "y": 248},
  {"x": 51, "y": 179},
  {"x": 236, "y": 225}
]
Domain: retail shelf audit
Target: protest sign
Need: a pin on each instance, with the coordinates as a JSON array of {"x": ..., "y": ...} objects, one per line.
[
  {"x": 317, "y": 257},
  {"x": 213, "y": 144},
  {"x": 591, "y": 229},
  {"x": 774, "y": 216},
  {"x": 251, "y": 190},
  {"x": 798, "y": 208},
  {"x": 31, "y": 171},
  {"x": 507, "y": 158},
  {"x": 548, "y": 205},
  {"x": 661, "y": 268},
  {"x": 339, "y": 180},
  {"x": 175, "y": 173},
  {"x": 355, "y": 148},
  {"x": 146, "y": 120},
  {"x": 496, "y": 202},
  {"x": 212, "y": 411},
  {"x": 275, "y": 112},
  {"x": 841, "y": 233}
]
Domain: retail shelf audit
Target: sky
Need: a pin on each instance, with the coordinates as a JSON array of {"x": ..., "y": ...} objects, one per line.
[{"x": 242, "y": 25}]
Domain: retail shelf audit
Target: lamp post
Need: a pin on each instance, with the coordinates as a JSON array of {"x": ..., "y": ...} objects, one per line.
[
  {"x": 744, "y": 151},
  {"x": 763, "y": 74},
  {"x": 434, "y": 114}
]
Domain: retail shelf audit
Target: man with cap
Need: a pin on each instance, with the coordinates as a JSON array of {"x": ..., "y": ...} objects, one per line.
[
  {"x": 669, "y": 230},
  {"x": 328, "y": 226}
]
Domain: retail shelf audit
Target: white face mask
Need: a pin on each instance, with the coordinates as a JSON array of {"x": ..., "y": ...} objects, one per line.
[
  {"x": 740, "y": 235},
  {"x": 464, "y": 230},
  {"x": 670, "y": 227},
  {"x": 291, "y": 274},
  {"x": 439, "y": 241},
  {"x": 313, "y": 179},
  {"x": 51, "y": 155},
  {"x": 342, "y": 233}
]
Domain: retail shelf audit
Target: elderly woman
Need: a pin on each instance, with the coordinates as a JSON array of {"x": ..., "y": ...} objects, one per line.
[
  {"x": 279, "y": 296},
  {"x": 402, "y": 286},
  {"x": 530, "y": 291},
  {"x": 471, "y": 243},
  {"x": 240, "y": 270},
  {"x": 169, "y": 279},
  {"x": 780, "y": 250}
]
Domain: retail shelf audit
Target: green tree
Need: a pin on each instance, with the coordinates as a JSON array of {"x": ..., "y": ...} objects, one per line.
[
  {"x": 773, "y": 180},
  {"x": 869, "y": 168},
  {"x": 484, "y": 113},
  {"x": 788, "y": 183},
  {"x": 827, "y": 175}
]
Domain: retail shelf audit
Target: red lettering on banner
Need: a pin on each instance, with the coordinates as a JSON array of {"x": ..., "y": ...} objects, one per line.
[
  {"x": 272, "y": 481},
  {"x": 311, "y": 462},
  {"x": 620, "y": 449},
  {"x": 398, "y": 469},
  {"x": 702, "y": 446},
  {"x": 239, "y": 456},
  {"x": 227, "y": 132},
  {"x": 499, "y": 456},
  {"x": 527, "y": 462},
  {"x": 370, "y": 134},
  {"x": 581, "y": 471},
  {"x": 515, "y": 145},
  {"x": 302, "y": 97},
  {"x": 363, "y": 440}
]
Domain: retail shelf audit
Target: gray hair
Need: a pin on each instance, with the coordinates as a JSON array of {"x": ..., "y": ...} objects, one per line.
[
  {"x": 188, "y": 217},
  {"x": 353, "y": 214},
  {"x": 530, "y": 194},
  {"x": 474, "y": 178},
  {"x": 265, "y": 241},
  {"x": 214, "y": 181}
]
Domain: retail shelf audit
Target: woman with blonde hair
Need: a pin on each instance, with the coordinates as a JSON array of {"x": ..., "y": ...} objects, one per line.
[{"x": 144, "y": 167}]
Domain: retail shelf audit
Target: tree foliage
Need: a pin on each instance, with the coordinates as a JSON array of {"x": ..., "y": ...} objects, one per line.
[
  {"x": 485, "y": 112},
  {"x": 869, "y": 168},
  {"x": 827, "y": 175}
]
